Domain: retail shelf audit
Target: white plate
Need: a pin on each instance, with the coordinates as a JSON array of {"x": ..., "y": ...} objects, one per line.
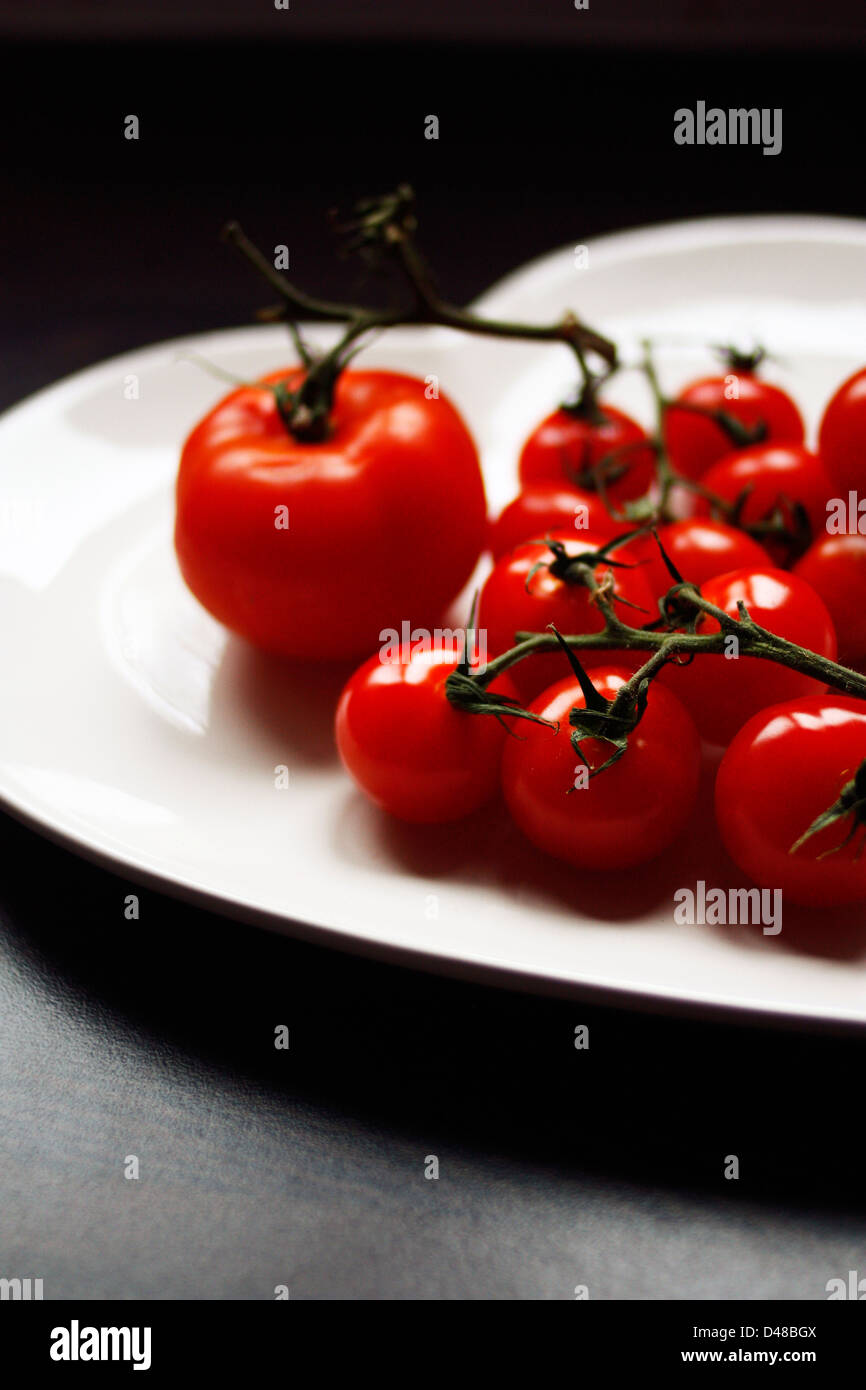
[{"x": 134, "y": 730}]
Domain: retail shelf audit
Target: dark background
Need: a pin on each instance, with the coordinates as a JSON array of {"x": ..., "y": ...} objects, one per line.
[{"x": 259, "y": 1167}]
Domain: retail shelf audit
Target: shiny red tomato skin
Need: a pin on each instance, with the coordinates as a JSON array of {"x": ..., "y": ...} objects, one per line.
[
  {"x": 505, "y": 607},
  {"x": 700, "y": 549},
  {"x": 842, "y": 435},
  {"x": 538, "y": 510},
  {"x": 835, "y": 566},
  {"x": 770, "y": 471},
  {"x": 408, "y": 748},
  {"x": 385, "y": 519},
  {"x": 694, "y": 442},
  {"x": 722, "y": 693},
  {"x": 565, "y": 446},
  {"x": 785, "y": 766},
  {"x": 626, "y": 814}
]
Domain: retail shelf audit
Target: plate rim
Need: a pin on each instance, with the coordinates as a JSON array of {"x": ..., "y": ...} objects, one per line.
[
  {"x": 611, "y": 247},
  {"x": 507, "y": 978}
]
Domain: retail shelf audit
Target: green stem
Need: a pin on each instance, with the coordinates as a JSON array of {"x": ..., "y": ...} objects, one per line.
[
  {"x": 387, "y": 226},
  {"x": 755, "y": 642}
]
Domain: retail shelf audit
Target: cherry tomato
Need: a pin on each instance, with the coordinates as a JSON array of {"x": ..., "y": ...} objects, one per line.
[
  {"x": 699, "y": 550},
  {"x": 567, "y": 447},
  {"x": 787, "y": 766},
  {"x": 842, "y": 436},
  {"x": 408, "y": 748},
  {"x": 695, "y": 442},
  {"x": 772, "y": 473},
  {"x": 507, "y": 606},
  {"x": 554, "y": 507},
  {"x": 723, "y": 692},
  {"x": 312, "y": 549},
  {"x": 835, "y": 566},
  {"x": 628, "y": 812}
]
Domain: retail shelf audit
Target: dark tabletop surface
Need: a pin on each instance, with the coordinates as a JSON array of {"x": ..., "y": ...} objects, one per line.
[{"x": 155, "y": 1038}]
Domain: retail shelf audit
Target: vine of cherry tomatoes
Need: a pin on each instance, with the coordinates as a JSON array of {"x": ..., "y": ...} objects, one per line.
[
  {"x": 754, "y": 535},
  {"x": 385, "y": 508}
]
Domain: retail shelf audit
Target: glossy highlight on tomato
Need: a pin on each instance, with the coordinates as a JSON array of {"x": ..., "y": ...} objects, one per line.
[
  {"x": 786, "y": 767},
  {"x": 311, "y": 549},
  {"x": 625, "y": 815}
]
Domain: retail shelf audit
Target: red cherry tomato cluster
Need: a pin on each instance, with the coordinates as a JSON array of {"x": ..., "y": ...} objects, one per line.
[{"x": 386, "y": 518}]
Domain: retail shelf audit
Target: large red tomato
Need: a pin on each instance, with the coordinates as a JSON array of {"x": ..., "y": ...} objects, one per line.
[{"x": 311, "y": 549}]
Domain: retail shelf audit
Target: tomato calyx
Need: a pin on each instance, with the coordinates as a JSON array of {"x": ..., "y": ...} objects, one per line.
[
  {"x": 580, "y": 568},
  {"x": 590, "y": 477},
  {"x": 306, "y": 411},
  {"x": 678, "y": 607},
  {"x": 851, "y": 802},
  {"x": 469, "y": 694},
  {"x": 786, "y": 523},
  {"x": 466, "y": 686},
  {"x": 738, "y": 360},
  {"x": 608, "y": 721},
  {"x": 681, "y": 611},
  {"x": 740, "y": 435},
  {"x": 598, "y": 477}
]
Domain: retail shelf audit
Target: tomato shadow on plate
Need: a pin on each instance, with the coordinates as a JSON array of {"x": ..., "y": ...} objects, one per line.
[
  {"x": 831, "y": 934},
  {"x": 289, "y": 705},
  {"x": 487, "y": 850}
]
